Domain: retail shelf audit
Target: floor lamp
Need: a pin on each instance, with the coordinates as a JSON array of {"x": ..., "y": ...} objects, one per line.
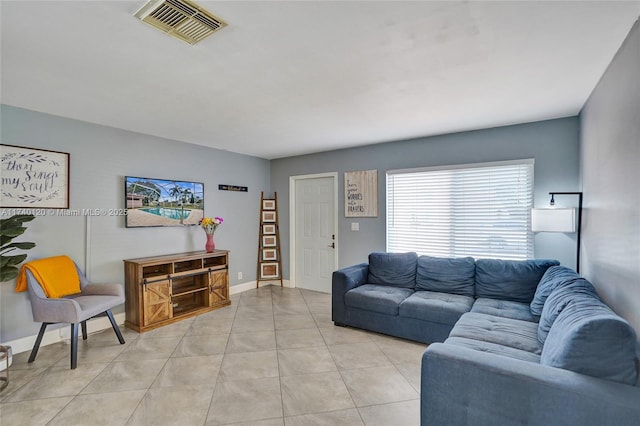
[{"x": 556, "y": 219}]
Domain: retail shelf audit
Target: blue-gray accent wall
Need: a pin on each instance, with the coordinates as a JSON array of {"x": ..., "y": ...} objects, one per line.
[
  {"x": 610, "y": 170},
  {"x": 100, "y": 157},
  {"x": 553, "y": 144}
]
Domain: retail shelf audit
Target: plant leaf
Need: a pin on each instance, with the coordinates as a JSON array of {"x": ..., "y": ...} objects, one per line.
[
  {"x": 16, "y": 220},
  {"x": 15, "y": 260},
  {"x": 13, "y": 232},
  {"x": 21, "y": 246},
  {"x": 8, "y": 273}
]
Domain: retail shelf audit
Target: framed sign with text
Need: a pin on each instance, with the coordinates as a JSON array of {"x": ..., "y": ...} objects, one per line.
[
  {"x": 34, "y": 178},
  {"x": 361, "y": 193}
]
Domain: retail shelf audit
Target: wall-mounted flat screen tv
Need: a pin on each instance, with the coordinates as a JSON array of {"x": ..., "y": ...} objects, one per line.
[{"x": 162, "y": 202}]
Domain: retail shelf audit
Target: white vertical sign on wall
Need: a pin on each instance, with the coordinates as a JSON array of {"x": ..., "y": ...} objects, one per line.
[{"x": 361, "y": 193}]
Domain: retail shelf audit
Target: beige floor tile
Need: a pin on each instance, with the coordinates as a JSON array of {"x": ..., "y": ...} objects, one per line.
[
  {"x": 405, "y": 413},
  {"x": 305, "y": 361},
  {"x": 19, "y": 378},
  {"x": 279, "y": 421},
  {"x": 251, "y": 324},
  {"x": 299, "y": 338},
  {"x": 210, "y": 326},
  {"x": 47, "y": 356},
  {"x": 58, "y": 381},
  {"x": 358, "y": 355},
  {"x": 239, "y": 401},
  {"x": 176, "y": 329},
  {"x": 192, "y": 370},
  {"x": 320, "y": 308},
  {"x": 90, "y": 352},
  {"x": 377, "y": 385},
  {"x": 251, "y": 342},
  {"x": 32, "y": 413},
  {"x": 256, "y": 310},
  {"x": 292, "y": 322},
  {"x": 314, "y": 393},
  {"x": 322, "y": 319},
  {"x": 178, "y": 405},
  {"x": 401, "y": 351},
  {"x": 335, "y": 335},
  {"x": 259, "y": 296},
  {"x": 311, "y": 296},
  {"x": 126, "y": 375},
  {"x": 100, "y": 409},
  {"x": 150, "y": 348},
  {"x": 349, "y": 417},
  {"x": 273, "y": 352},
  {"x": 249, "y": 365},
  {"x": 292, "y": 308},
  {"x": 282, "y": 294},
  {"x": 201, "y": 345},
  {"x": 412, "y": 372},
  {"x": 225, "y": 312},
  {"x": 108, "y": 336}
]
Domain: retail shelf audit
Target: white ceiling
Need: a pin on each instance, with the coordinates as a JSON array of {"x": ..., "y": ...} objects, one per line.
[{"x": 287, "y": 78}]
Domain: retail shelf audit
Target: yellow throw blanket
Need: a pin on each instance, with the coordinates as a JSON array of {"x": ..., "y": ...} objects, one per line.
[{"x": 57, "y": 276}]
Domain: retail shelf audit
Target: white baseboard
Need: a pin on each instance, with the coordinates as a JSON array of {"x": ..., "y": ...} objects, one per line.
[
  {"x": 239, "y": 288},
  {"x": 63, "y": 334}
]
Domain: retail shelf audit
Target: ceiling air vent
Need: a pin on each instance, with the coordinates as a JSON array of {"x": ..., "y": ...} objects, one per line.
[{"x": 182, "y": 19}]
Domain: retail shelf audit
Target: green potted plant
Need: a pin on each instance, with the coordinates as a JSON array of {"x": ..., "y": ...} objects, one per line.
[{"x": 9, "y": 229}]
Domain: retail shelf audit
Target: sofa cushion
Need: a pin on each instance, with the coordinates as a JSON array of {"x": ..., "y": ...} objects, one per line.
[
  {"x": 377, "y": 298},
  {"x": 503, "y": 308},
  {"x": 493, "y": 348},
  {"x": 589, "y": 338},
  {"x": 443, "y": 308},
  {"x": 393, "y": 269},
  {"x": 502, "y": 331},
  {"x": 559, "y": 299},
  {"x": 554, "y": 277},
  {"x": 510, "y": 279},
  {"x": 446, "y": 275}
]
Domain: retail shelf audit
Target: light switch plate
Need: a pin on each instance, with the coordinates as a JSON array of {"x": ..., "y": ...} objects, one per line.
[{"x": 355, "y": 226}]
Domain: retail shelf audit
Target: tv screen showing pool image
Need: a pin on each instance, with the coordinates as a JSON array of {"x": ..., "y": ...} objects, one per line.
[{"x": 162, "y": 202}]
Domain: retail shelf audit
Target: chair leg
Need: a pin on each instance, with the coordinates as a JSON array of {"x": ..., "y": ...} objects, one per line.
[
  {"x": 83, "y": 325},
  {"x": 36, "y": 345},
  {"x": 74, "y": 345},
  {"x": 114, "y": 324}
]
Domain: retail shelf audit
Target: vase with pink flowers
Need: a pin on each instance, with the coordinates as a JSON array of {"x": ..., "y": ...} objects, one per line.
[{"x": 210, "y": 225}]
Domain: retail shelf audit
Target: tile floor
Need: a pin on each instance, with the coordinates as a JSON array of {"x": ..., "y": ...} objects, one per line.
[{"x": 271, "y": 358}]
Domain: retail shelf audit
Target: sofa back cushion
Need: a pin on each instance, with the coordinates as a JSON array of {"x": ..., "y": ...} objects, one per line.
[
  {"x": 393, "y": 269},
  {"x": 589, "y": 338},
  {"x": 559, "y": 299},
  {"x": 555, "y": 276},
  {"x": 446, "y": 275},
  {"x": 510, "y": 279}
]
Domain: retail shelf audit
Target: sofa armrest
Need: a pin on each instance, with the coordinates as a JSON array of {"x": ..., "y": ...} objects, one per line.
[
  {"x": 342, "y": 281},
  {"x": 461, "y": 386}
]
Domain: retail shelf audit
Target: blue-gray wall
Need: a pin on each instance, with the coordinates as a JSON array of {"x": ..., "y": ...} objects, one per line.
[
  {"x": 553, "y": 144},
  {"x": 610, "y": 169},
  {"x": 100, "y": 158}
]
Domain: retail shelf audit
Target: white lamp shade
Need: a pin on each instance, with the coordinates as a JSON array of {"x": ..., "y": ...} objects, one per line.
[{"x": 553, "y": 220}]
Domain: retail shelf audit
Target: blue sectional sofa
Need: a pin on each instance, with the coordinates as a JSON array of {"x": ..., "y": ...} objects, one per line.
[{"x": 512, "y": 342}]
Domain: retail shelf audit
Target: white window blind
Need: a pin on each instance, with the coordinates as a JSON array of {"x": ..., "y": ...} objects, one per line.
[{"x": 479, "y": 210}]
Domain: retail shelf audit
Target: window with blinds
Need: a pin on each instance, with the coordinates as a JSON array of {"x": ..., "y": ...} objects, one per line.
[{"x": 478, "y": 210}]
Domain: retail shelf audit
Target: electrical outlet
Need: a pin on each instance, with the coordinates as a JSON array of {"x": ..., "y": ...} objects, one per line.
[{"x": 239, "y": 275}]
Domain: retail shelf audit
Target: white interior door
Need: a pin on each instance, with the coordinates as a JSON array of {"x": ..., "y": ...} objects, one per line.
[{"x": 315, "y": 235}]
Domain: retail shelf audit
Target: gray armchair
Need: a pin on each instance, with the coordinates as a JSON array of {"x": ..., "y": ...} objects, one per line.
[{"x": 92, "y": 301}]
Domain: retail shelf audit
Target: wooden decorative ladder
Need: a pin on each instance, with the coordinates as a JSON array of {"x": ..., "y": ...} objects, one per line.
[{"x": 269, "y": 259}]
